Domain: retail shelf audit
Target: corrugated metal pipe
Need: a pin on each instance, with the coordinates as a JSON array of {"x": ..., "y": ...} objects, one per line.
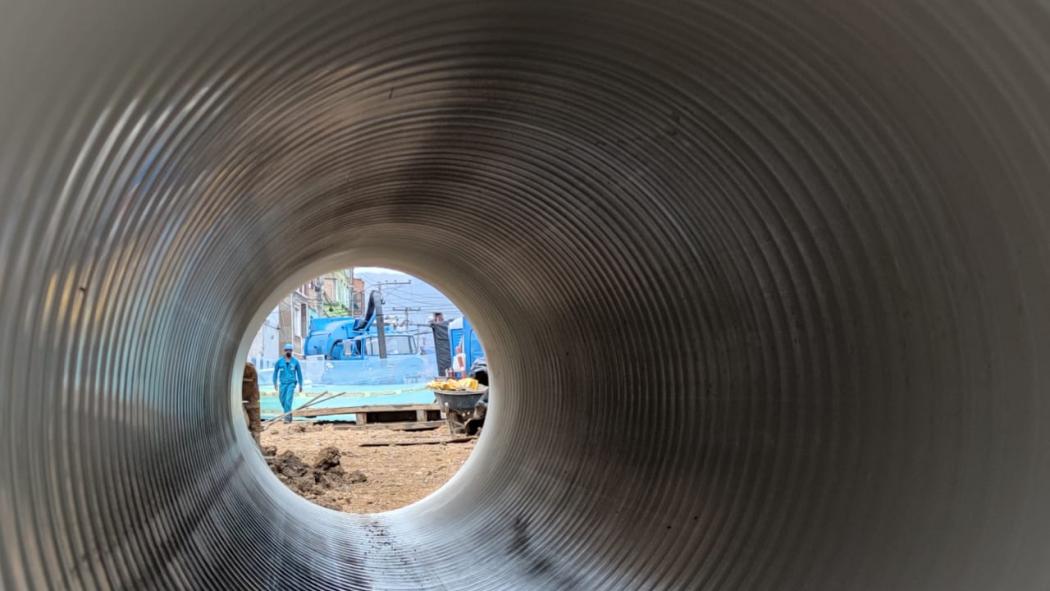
[{"x": 765, "y": 286}]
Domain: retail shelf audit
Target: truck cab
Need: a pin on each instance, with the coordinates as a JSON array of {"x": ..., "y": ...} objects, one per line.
[{"x": 363, "y": 346}]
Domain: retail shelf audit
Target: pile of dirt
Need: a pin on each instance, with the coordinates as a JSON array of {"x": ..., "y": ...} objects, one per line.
[
  {"x": 305, "y": 428},
  {"x": 325, "y": 482},
  {"x": 398, "y": 475}
]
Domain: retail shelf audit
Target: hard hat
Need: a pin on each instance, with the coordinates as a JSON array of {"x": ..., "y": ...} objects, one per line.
[{"x": 288, "y": 347}]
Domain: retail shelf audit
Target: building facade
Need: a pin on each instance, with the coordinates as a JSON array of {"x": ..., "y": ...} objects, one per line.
[
  {"x": 266, "y": 346},
  {"x": 338, "y": 293},
  {"x": 333, "y": 294},
  {"x": 357, "y": 298},
  {"x": 295, "y": 312}
]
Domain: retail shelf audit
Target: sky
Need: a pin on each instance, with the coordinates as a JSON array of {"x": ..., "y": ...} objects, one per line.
[
  {"x": 379, "y": 270},
  {"x": 417, "y": 294}
]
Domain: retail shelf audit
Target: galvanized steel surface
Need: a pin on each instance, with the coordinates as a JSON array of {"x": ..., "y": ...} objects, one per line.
[{"x": 839, "y": 208}]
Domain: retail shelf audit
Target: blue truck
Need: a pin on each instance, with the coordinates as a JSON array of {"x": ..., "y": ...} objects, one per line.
[
  {"x": 343, "y": 337},
  {"x": 350, "y": 348},
  {"x": 461, "y": 334}
]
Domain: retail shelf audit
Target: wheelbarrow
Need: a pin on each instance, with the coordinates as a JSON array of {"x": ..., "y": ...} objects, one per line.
[{"x": 460, "y": 408}]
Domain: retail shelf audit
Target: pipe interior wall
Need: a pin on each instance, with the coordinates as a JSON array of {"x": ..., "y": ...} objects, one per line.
[{"x": 764, "y": 286}]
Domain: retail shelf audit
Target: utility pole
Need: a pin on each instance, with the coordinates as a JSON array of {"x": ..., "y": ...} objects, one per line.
[
  {"x": 318, "y": 285},
  {"x": 380, "y": 327},
  {"x": 353, "y": 294},
  {"x": 406, "y": 310},
  {"x": 381, "y": 284}
]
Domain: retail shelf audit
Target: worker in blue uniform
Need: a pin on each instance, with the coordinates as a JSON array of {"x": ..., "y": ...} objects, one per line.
[{"x": 286, "y": 374}]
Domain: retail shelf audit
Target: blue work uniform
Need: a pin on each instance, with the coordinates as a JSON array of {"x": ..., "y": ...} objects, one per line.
[{"x": 286, "y": 374}]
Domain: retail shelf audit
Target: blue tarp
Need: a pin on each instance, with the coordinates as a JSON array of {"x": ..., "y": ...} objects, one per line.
[
  {"x": 395, "y": 369},
  {"x": 355, "y": 396}
]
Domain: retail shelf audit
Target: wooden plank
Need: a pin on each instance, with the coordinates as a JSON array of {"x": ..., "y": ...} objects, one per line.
[
  {"x": 419, "y": 426},
  {"x": 393, "y": 443},
  {"x": 353, "y": 410},
  {"x": 403, "y": 426},
  {"x": 416, "y": 442}
]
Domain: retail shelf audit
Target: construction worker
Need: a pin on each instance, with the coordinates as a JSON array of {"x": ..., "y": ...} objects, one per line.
[
  {"x": 287, "y": 372},
  {"x": 442, "y": 351}
]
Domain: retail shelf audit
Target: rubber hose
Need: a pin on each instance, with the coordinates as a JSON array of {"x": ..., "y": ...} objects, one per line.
[{"x": 840, "y": 208}]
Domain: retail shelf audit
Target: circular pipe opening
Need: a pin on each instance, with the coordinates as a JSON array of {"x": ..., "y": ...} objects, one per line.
[{"x": 383, "y": 460}]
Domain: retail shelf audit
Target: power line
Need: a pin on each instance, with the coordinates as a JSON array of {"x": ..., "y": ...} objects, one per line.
[
  {"x": 380, "y": 327},
  {"x": 406, "y": 310}
]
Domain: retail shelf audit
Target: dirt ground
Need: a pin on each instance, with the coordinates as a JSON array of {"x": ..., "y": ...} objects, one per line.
[{"x": 362, "y": 479}]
